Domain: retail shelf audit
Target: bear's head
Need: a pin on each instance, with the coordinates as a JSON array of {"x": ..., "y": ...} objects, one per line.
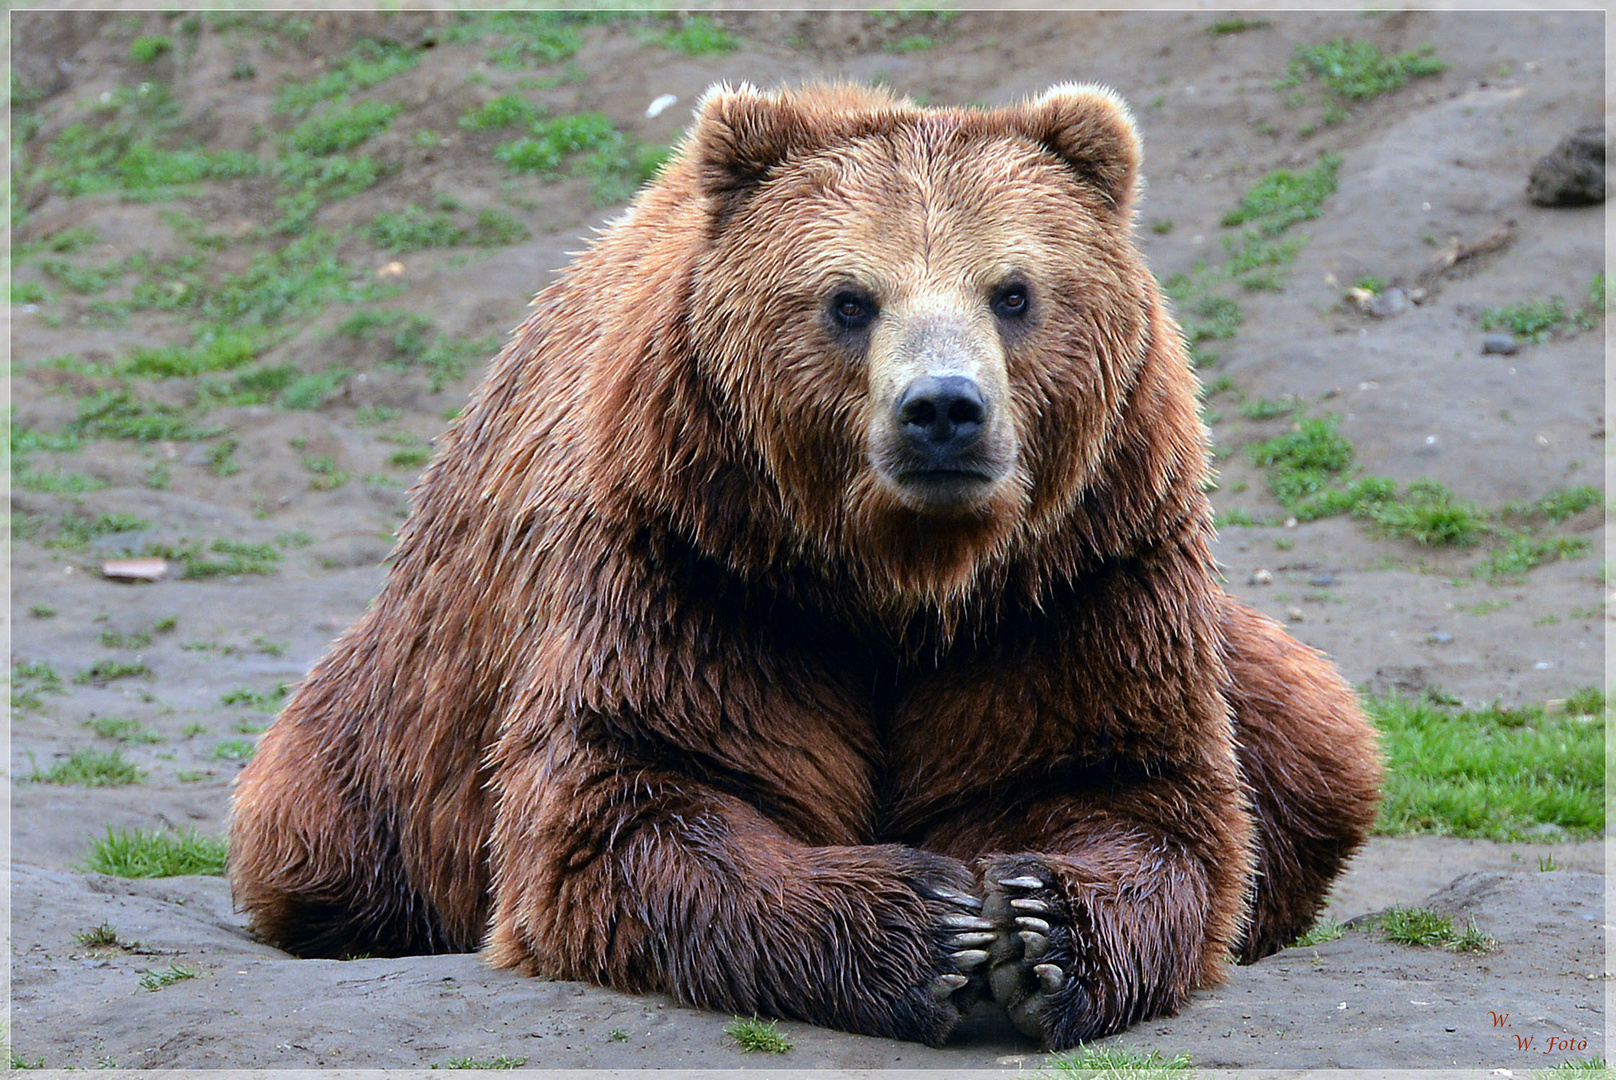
[{"x": 923, "y": 331}]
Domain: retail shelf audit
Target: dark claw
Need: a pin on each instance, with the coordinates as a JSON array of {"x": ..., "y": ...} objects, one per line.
[
  {"x": 972, "y": 940},
  {"x": 1050, "y": 977},
  {"x": 1021, "y": 883},
  {"x": 1037, "y": 926},
  {"x": 1034, "y": 945}
]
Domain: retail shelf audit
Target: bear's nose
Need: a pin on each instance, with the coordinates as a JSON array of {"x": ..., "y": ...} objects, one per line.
[{"x": 942, "y": 415}]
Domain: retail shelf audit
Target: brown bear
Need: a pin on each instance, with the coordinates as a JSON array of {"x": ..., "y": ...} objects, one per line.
[{"x": 812, "y": 614}]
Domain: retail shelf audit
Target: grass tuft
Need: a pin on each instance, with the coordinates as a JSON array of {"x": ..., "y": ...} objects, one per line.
[
  {"x": 1320, "y": 932},
  {"x": 136, "y": 853},
  {"x": 1283, "y": 198},
  {"x": 156, "y": 980},
  {"x": 91, "y": 768},
  {"x": 757, "y": 1037},
  {"x": 1358, "y": 70},
  {"x": 1115, "y": 1063},
  {"x": 1416, "y": 926},
  {"x": 1493, "y": 772},
  {"x": 500, "y": 1062}
]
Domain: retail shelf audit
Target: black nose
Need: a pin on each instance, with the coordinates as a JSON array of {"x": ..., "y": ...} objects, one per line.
[{"x": 941, "y": 416}]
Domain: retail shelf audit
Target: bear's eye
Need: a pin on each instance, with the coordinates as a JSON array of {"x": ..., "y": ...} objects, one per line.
[
  {"x": 1010, "y": 300},
  {"x": 852, "y": 310}
]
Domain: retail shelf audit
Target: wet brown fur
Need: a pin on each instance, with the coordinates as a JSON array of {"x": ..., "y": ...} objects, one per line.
[{"x": 665, "y": 690}]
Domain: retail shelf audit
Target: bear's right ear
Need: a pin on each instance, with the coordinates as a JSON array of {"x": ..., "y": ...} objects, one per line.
[{"x": 742, "y": 134}]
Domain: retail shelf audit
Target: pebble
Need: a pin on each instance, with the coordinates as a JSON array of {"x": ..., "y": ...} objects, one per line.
[
  {"x": 1295, "y": 614},
  {"x": 1439, "y": 638},
  {"x": 1321, "y": 581},
  {"x": 1502, "y": 344},
  {"x": 1262, "y": 577},
  {"x": 1393, "y": 301}
]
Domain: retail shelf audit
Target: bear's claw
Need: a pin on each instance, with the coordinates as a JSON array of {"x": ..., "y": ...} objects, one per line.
[{"x": 1028, "y": 962}]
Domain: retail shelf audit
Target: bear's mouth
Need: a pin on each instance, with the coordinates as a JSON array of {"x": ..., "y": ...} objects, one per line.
[{"x": 944, "y": 490}]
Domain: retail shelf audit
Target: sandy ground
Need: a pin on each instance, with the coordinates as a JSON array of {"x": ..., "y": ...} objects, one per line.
[{"x": 1441, "y": 159}]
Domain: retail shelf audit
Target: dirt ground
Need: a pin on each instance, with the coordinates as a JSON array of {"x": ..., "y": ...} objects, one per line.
[{"x": 1443, "y": 159}]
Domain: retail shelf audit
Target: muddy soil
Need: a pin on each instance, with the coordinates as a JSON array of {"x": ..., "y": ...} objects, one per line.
[{"x": 1441, "y": 161}]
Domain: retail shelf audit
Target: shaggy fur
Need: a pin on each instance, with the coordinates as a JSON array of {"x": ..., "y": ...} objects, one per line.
[{"x": 681, "y": 682}]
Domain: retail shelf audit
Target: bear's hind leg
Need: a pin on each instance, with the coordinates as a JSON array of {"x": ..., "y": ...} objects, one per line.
[
  {"x": 1312, "y": 763},
  {"x": 314, "y": 867}
]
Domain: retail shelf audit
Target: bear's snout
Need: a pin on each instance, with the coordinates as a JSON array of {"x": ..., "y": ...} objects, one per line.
[{"x": 939, "y": 418}]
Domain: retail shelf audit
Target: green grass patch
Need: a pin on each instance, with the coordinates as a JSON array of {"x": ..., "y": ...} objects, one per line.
[
  {"x": 698, "y": 35},
  {"x": 1320, "y": 932},
  {"x": 116, "y": 413},
  {"x": 1415, "y": 926},
  {"x": 103, "y": 936},
  {"x": 215, "y": 350},
  {"x": 343, "y": 127},
  {"x": 615, "y": 165},
  {"x": 154, "y": 854},
  {"x": 757, "y": 1036},
  {"x": 1523, "y": 552},
  {"x": 1556, "y": 506},
  {"x": 1303, "y": 462},
  {"x": 1358, "y": 70},
  {"x": 1427, "y": 513},
  {"x": 1495, "y": 773},
  {"x": 1284, "y": 197},
  {"x": 234, "y": 750},
  {"x": 1535, "y": 321},
  {"x": 30, "y": 679},
  {"x": 58, "y": 482},
  {"x": 1104, "y": 1063},
  {"x": 90, "y": 768},
  {"x": 415, "y": 229},
  {"x": 502, "y": 111},
  {"x": 123, "y": 729},
  {"x": 144, "y": 50},
  {"x": 410, "y": 457},
  {"x": 366, "y": 64},
  {"x": 1221, "y": 27},
  {"x": 223, "y": 558},
  {"x": 267, "y": 701},
  {"x": 500, "y": 1062},
  {"x": 408, "y": 342},
  {"x": 1425, "y": 927},
  {"x": 327, "y": 477},
  {"x": 524, "y": 38},
  {"x": 156, "y": 980},
  {"x": 103, "y": 672}
]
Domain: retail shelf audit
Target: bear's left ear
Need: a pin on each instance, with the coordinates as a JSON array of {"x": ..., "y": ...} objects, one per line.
[{"x": 1090, "y": 129}]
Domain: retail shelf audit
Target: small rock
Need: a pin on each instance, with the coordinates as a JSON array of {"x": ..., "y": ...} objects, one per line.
[
  {"x": 1503, "y": 344},
  {"x": 1393, "y": 301},
  {"x": 135, "y": 569},
  {"x": 1295, "y": 614},
  {"x": 1573, "y": 173},
  {"x": 1321, "y": 581},
  {"x": 1439, "y": 638},
  {"x": 1261, "y": 577}
]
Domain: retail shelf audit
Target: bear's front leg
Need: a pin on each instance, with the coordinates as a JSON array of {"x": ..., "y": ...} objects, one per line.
[
  {"x": 1113, "y": 904},
  {"x": 647, "y": 879}
]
